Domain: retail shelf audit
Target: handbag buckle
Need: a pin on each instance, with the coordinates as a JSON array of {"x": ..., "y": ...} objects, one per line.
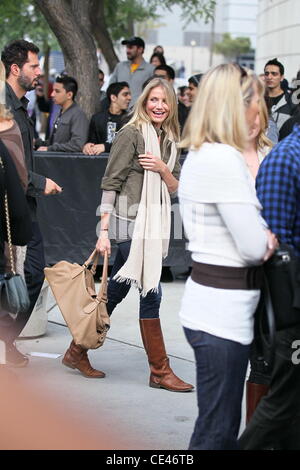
[{"x": 286, "y": 258}]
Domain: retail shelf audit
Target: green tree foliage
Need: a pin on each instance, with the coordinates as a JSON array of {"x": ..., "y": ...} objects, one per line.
[
  {"x": 21, "y": 19},
  {"x": 121, "y": 15},
  {"x": 232, "y": 47},
  {"x": 80, "y": 24}
]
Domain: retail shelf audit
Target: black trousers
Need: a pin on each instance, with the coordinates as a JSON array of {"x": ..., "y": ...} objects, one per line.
[
  {"x": 275, "y": 423},
  {"x": 34, "y": 275}
]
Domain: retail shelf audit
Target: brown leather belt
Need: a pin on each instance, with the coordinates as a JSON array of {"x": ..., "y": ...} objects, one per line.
[{"x": 227, "y": 277}]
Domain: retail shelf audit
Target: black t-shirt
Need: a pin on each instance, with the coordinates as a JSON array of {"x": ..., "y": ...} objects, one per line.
[
  {"x": 274, "y": 100},
  {"x": 183, "y": 112},
  {"x": 103, "y": 128}
]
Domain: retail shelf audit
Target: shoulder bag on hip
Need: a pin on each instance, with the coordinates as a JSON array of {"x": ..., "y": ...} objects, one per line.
[{"x": 14, "y": 297}]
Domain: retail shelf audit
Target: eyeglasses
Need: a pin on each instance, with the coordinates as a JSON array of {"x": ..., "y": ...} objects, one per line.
[{"x": 274, "y": 74}]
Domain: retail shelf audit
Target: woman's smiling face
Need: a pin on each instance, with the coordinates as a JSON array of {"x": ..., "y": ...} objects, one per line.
[{"x": 157, "y": 107}]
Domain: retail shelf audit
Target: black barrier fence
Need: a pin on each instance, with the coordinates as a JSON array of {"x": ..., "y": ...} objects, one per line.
[{"x": 69, "y": 220}]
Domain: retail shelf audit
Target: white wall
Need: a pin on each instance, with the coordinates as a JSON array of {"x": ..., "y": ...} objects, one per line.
[
  {"x": 278, "y": 34},
  {"x": 240, "y": 18}
]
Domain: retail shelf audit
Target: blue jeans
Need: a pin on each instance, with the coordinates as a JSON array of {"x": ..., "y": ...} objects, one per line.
[
  {"x": 117, "y": 291},
  {"x": 221, "y": 367}
]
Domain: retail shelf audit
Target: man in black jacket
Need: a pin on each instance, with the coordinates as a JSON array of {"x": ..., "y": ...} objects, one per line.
[
  {"x": 104, "y": 125},
  {"x": 282, "y": 107},
  {"x": 21, "y": 62}
]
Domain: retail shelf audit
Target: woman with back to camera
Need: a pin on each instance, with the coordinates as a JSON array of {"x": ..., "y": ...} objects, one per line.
[
  {"x": 229, "y": 242},
  {"x": 258, "y": 146},
  {"x": 142, "y": 171},
  {"x": 14, "y": 182},
  {"x": 20, "y": 228}
]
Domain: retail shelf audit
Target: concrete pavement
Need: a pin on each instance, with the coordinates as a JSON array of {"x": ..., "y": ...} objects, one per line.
[{"x": 143, "y": 417}]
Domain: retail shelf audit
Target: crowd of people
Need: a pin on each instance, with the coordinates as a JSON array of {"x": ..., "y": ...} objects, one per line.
[{"x": 239, "y": 198}]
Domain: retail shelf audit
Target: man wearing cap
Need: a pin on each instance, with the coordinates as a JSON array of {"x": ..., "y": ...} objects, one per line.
[{"x": 135, "y": 71}]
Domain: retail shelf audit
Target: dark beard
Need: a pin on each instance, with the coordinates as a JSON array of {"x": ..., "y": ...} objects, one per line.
[{"x": 25, "y": 83}]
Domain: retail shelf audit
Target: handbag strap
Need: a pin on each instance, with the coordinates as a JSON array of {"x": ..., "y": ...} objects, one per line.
[
  {"x": 93, "y": 258},
  {"x": 102, "y": 294},
  {"x": 270, "y": 341},
  {"x": 8, "y": 230}
]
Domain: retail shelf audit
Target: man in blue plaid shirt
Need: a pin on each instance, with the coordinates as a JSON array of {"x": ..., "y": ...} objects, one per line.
[
  {"x": 275, "y": 423},
  {"x": 278, "y": 189}
]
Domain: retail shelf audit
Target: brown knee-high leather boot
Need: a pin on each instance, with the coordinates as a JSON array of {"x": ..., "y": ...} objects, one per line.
[
  {"x": 161, "y": 375},
  {"x": 76, "y": 358},
  {"x": 254, "y": 394}
]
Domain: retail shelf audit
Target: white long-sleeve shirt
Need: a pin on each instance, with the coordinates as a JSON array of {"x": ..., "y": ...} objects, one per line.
[{"x": 224, "y": 227}]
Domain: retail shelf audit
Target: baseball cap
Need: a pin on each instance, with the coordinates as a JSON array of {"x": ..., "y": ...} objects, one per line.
[{"x": 134, "y": 41}]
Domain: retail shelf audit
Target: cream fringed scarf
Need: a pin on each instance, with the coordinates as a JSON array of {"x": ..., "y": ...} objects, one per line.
[{"x": 150, "y": 239}]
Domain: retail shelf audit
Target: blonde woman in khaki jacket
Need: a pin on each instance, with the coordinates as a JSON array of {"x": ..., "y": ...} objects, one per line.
[{"x": 142, "y": 172}]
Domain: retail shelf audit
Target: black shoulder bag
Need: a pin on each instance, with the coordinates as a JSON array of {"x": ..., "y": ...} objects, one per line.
[
  {"x": 14, "y": 297},
  {"x": 279, "y": 306}
]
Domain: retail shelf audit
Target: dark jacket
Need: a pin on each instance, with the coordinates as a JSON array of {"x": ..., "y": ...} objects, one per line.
[
  {"x": 103, "y": 128},
  {"x": 71, "y": 132},
  {"x": 19, "y": 215},
  {"x": 288, "y": 126},
  {"x": 36, "y": 183},
  {"x": 283, "y": 110},
  {"x": 124, "y": 173},
  {"x": 183, "y": 112}
]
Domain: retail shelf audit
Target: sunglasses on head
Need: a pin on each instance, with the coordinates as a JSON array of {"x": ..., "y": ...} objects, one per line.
[{"x": 242, "y": 71}]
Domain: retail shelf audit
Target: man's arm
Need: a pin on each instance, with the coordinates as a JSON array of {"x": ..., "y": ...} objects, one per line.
[
  {"x": 277, "y": 193},
  {"x": 36, "y": 184},
  {"x": 96, "y": 143},
  {"x": 114, "y": 77}
]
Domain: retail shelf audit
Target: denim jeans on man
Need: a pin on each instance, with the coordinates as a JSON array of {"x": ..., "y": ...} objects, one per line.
[
  {"x": 117, "y": 291},
  {"x": 221, "y": 367}
]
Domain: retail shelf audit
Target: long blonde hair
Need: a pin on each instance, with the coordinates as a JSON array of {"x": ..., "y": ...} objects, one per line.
[
  {"x": 262, "y": 140},
  {"x": 170, "y": 125},
  {"x": 4, "y": 112},
  {"x": 218, "y": 113}
]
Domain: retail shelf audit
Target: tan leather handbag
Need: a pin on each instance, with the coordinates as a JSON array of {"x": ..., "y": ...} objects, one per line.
[{"x": 82, "y": 308}]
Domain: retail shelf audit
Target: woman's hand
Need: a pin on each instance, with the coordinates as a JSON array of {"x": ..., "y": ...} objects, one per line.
[
  {"x": 272, "y": 245},
  {"x": 98, "y": 149},
  {"x": 88, "y": 149},
  {"x": 103, "y": 243},
  {"x": 149, "y": 162}
]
